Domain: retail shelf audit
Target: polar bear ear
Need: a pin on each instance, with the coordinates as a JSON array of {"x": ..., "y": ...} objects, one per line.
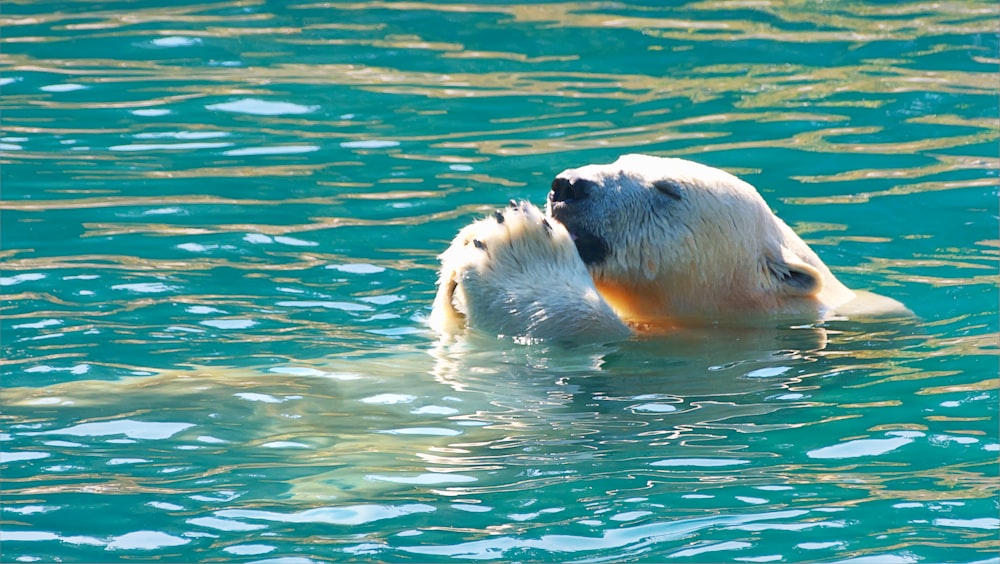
[{"x": 795, "y": 277}]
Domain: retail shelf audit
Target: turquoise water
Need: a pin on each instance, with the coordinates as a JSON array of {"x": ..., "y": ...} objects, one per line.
[{"x": 220, "y": 224}]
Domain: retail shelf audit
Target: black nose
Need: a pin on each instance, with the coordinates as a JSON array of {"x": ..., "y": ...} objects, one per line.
[{"x": 566, "y": 190}]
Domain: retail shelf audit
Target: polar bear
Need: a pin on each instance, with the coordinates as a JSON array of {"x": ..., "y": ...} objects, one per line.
[{"x": 644, "y": 243}]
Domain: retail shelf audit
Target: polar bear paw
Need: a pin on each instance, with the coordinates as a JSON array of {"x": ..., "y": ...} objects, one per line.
[{"x": 517, "y": 273}]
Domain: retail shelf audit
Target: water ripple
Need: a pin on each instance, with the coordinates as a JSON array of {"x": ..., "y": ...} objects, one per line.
[
  {"x": 220, "y": 229},
  {"x": 349, "y": 515},
  {"x": 629, "y": 540}
]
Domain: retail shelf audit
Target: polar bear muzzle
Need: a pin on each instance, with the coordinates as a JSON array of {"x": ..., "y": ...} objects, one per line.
[
  {"x": 570, "y": 189},
  {"x": 591, "y": 248},
  {"x": 564, "y": 201}
]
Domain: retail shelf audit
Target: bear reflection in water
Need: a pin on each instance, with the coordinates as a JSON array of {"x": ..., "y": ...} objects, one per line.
[{"x": 642, "y": 245}]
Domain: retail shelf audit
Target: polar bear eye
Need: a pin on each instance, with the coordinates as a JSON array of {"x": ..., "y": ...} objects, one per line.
[{"x": 670, "y": 188}]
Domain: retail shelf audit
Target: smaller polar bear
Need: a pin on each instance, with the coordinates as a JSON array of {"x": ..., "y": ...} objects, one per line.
[{"x": 644, "y": 243}]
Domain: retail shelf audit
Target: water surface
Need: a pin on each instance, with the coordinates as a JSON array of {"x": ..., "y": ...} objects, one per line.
[{"x": 219, "y": 232}]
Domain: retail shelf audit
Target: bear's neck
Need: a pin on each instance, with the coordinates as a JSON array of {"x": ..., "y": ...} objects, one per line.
[{"x": 657, "y": 308}]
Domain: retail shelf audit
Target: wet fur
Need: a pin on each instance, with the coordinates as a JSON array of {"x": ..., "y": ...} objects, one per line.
[
  {"x": 517, "y": 274},
  {"x": 646, "y": 243}
]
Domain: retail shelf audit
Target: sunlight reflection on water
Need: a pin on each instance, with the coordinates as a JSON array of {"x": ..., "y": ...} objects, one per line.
[{"x": 219, "y": 232}]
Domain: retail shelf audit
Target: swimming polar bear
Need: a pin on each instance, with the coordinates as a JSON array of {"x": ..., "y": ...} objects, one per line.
[{"x": 644, "y": 243}]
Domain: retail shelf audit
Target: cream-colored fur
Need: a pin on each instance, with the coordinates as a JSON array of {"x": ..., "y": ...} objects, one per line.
[
  {"x": 683, "y": 240},
  {"x": 666, "y": 242},
  {"x": 517, "y": 274}
]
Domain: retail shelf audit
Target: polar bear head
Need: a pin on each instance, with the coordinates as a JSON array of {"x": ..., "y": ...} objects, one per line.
[{"x": 672, "y": 239}]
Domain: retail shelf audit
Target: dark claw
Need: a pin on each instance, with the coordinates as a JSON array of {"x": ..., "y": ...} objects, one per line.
[
  {"x": 548, "y": 228},
  {"x": 498, "y": 216},
  {"x": 512, "y": 204},
  {"x": 479, "y": 244}
]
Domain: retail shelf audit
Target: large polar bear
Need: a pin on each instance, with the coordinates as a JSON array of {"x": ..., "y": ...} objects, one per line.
[{"x": 644, "y": 243}]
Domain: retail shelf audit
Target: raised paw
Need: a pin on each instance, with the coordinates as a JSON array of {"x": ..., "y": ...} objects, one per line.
[
  {"x": 514, "y": 273},
  {"x": 511, "y": 239}
]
